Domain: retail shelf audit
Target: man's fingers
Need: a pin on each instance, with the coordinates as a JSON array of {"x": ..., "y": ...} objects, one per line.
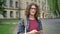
[{"x": 34, "y": 31}]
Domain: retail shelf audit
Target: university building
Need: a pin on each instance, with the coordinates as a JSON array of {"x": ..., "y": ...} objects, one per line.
[{"x": 16, "y": 8}]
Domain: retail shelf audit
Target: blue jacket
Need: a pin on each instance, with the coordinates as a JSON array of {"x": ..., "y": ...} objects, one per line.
[{"x": 21, "y": 26}]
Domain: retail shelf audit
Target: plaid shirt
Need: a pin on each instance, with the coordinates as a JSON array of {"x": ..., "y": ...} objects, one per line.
[{"x": 21, "y": 28}]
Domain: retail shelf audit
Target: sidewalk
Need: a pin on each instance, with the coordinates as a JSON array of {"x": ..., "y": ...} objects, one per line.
[{"x": 15, "y": 29}]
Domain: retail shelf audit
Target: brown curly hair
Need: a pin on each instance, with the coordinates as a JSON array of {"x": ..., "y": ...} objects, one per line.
[{"x": 37, "y": 14}]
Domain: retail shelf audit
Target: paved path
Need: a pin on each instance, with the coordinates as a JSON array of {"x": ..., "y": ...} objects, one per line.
[
  {"x": 51, "y": 26},
  {"x": 15, "y": 29}
]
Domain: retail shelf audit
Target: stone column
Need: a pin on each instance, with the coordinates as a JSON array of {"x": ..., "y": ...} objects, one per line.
[
  {"x": 14, "y": 14},
  {"x": 8, "y": 14}
]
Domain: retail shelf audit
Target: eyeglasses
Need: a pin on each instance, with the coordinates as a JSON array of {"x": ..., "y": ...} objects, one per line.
[{"x": 33, "y": 8}]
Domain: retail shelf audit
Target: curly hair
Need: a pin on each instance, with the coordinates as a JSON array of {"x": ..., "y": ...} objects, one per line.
[{"x": 27, "y": 11}]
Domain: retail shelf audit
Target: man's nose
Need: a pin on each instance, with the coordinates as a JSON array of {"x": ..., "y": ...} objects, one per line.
[{"x": 33, "y": 9}]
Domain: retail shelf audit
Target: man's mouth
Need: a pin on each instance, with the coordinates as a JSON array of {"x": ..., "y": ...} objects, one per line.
[{"x": 33, "y": 12}]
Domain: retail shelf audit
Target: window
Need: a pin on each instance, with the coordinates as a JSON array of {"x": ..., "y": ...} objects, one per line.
[
  {"x": 17, "y": 14},
  {"x": 35, "y": 0},
  {"x": 16, "y": 4},
  {"x": 11, "y": 13},
  {"x": 5, "y": 14},
  {"x": 4, "y": 2},
  {"x": 31, "y": 0},
  {"x": 27, "y": 3},
  {"x": 11, "y": 3},
  {"x": 39, "y": 1},
  {"x": 45, "y": 1}
]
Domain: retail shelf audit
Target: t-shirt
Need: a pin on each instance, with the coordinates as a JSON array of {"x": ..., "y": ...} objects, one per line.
[{"x": 33, "y": 25}]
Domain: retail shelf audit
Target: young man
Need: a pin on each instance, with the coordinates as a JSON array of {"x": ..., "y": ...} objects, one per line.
[{"x": 34, "y": 25}]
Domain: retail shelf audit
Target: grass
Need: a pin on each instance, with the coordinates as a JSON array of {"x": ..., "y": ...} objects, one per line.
[
  {"x": 6, "y": 28},
  {"x": 9, "y": 20}
]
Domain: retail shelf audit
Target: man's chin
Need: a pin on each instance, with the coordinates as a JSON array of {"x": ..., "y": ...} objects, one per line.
[{"x": 32, "y": 14}]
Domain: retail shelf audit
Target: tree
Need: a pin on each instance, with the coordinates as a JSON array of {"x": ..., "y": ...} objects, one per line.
[
  {"x": 1, "y": 7},
  {"x": 54, "y": 7}
]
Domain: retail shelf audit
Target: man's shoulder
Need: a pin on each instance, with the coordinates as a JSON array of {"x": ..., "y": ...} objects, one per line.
[{"x": 39, "y": 20}]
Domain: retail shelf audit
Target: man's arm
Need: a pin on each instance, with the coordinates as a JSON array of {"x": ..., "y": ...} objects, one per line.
[
  {"x": 40, "y": 27},
  {"x": 21, "y": 27}
]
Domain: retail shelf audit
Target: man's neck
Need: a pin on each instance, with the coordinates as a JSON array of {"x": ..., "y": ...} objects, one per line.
[{"x": 31, "y": 17}]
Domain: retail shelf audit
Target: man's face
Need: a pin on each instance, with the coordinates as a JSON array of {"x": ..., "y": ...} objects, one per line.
[{"x": 32, "y": 10}]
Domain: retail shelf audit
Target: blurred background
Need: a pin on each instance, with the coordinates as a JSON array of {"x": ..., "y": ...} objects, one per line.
[{"x": 12, "y": 10}]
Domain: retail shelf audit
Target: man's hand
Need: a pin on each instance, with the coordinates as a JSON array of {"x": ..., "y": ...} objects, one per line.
[{"x": 33, "y": 32}]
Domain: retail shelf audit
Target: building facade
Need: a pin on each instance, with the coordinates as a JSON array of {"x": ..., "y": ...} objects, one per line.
[
  {"x": 43, "y": 5},
  {"x": 24, "y": 4},
  {"x": 16, "y": 8},
  {"x": 11, "y": 9},
  {"x": 45, "y": 10}
]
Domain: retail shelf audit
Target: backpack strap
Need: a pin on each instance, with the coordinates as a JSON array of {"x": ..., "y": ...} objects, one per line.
[{"x": 25, "y": 23}]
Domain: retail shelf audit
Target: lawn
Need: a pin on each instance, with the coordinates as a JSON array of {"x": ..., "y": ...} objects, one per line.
[
  {"x": 6, "y": 28},
  {"x": 9, "y": 20}
]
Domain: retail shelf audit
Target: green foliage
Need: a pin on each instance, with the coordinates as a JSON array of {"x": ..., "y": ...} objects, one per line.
[
  {"x": 6, "y": 28},
  {"x": 59, "y": 5},
  {"x": 54, "y": 6},
  {"x": 1, "y": 7}
]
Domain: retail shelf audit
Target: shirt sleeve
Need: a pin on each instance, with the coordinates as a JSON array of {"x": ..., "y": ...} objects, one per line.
[{"x": 40, "y": 25}]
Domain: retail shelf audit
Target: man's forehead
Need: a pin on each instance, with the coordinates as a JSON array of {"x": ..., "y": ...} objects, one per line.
[{"x": 33, "y": 6}]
